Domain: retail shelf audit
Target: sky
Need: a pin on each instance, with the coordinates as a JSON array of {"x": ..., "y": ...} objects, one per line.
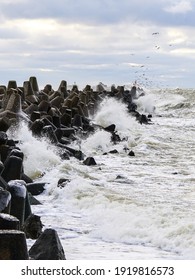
[{"x": 109, "y": 41}]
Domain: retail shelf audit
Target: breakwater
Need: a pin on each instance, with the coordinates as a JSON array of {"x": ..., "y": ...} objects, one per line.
[{"x": 58, "y": 115}]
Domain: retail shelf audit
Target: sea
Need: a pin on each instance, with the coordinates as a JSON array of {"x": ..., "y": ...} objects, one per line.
[{"x": 125, "y": 207}]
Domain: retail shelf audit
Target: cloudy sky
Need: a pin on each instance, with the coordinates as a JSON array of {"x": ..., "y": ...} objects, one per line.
[{"x": 109, "y": 41}]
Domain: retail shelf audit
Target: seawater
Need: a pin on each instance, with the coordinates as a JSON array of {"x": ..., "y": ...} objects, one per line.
[{"x": 140, "y": 207}]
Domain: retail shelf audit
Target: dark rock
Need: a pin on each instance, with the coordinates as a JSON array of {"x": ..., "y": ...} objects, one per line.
[
  {"x": 56, "y": 121},
  {"x": 3, "y": 138},
  {"x": 12, "y": 84},
  {"x": 13, "y": 245},
  {"x": 72, "y": 152},
  {"x": 44, "y": 106},
  {"x": 17, "y": 153},
  {"x": 4, "y": 124},
  {"x": 9, "y": 222},
  {"x": 67, "y": 132},
  {"x": 133, "y": 91},
  {"x": 27, "y": 179},
  {"x": 4, "y": 152},
  {"x": 3, "y": 183},
  {"x": 35, "y": 116},
  {"x": 64, "y": 156},
  {"x": 28, "y": 211},
  {"x": 5, "y": 200},
  {"x": 131, "y": 153},
  {"x": 115, "y": 138},
  {"x": 62, "y": 183},
  {"x": 13, "y": 167},
  {"x": 113, "y": 151},
  {"x": 49, "y": 132},
  {"x": 33, "y": 200},
  {"x": 110, "y": 128},
  {"x": 47, "y": 247},
  {"x": 36, "y": 127},
  {"x": 77, "y": 121},
  {"x": 33, "y": 227},
  {"x": 18, "y": 199},
  {"x": 66, "y": 119},
  {"x": 65, "y": 141},
  {"x": 1, "y": 166},
  {"x": 35, "y": 188},
  {"x": 34, "y": 84},
  {"x": 89, "y": 161},
  {"x": 29, "y": 93},
  {"x": 132, "y": 107}
]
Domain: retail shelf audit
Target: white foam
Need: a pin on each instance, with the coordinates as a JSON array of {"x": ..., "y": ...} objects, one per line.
[{"x": 39, "y": 155}]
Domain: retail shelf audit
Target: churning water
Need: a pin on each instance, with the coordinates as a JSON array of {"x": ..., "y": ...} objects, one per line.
[{"x": 125, "y": 207}]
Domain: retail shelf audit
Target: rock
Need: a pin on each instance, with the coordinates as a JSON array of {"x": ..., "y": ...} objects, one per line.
[
  {"x": 5, "y": 200},
  {"x": 72, "y": 152},
  {"x": 1, "y": 166},
  {"x": 35, "y": 188},
  {"x": 133, "y": 92},
  {"x": 13, "y": 245},
  {"x": 3, "y": 138},
  {"x": 12, "y": 84},
  {"x": 36, "y": 127},
  {"x": 34, "y": 84},
  {"x": 33, "y": 227},
  {"x": 3, "y": 183},
  {"x": 29, "y": 93},
  {"x": 44, "y": 106},
  {"x": 49, "y": 132},
  {"x": 131, "y": 153},
  {"x": 113, "y": 151},
  {"x": 89, "y": 161},
  {"x": 47, "y": 247},
  {"x": 62, "y": 182},
  {"x": 110, "y": 128},
  {"x": 35, "y": 116},
  {"x": 115, "y": 138},
  {"x": 4, "y": 124},
  {"x": 13, "y": 167},
  {"x": 9, "y": 222},
  {"x": 27, "y": 179},
  {"x": 14, "y": 103},
  {"x": 18, "y": 199},
  {"x": 33, "y": 200}
]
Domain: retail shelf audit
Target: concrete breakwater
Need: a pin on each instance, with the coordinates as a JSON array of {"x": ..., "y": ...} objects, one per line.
[{"x": 58, "y": 115}]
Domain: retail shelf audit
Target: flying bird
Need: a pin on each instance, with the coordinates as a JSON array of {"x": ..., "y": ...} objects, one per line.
[{"x": 155, "y": 33}]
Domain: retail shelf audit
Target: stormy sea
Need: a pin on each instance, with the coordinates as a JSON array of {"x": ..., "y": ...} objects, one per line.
[{"x": 124, "y": 207}]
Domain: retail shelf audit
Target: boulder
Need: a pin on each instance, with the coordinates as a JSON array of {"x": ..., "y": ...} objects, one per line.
[
  {"x": 62, "y": 182},
  {"x": 9, "y": 222},
  {"x": 18, "y": 199},
  {"x": 33, "y": 200},
  {"x": 13, "y": 245},
  {"x": 5, "y": 200},
  {"x": 3, "y": 138},
  {"x": 13, "y": 168},
  {"x": 110, "y": 128},
  {"x": 47, "y": 247},
  {"x": 131, "y": 154},
  {"x": 35, "y": 188},
  {"x": 33, "y": 226},
  {"x": 89, "y": 161}
]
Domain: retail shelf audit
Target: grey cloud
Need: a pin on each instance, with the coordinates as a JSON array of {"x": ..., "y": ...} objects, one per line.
[{"x": 97, "y": 12}]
